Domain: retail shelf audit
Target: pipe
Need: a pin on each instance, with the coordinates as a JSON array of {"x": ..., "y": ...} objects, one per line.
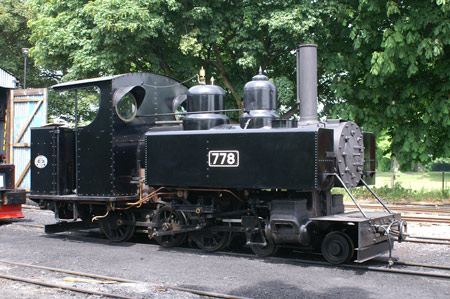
[
  {"x": 25, "y": 72},
  {"x": 76, "y": 142},
  {"x": 307, "y": 83}
]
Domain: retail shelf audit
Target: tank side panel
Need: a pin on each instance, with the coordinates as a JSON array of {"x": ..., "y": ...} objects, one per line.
[{"x": 269, "y": 160}]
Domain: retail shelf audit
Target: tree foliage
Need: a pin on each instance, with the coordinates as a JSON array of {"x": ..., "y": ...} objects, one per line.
[
  {"x": 382, "y": 63},
  {"x": 229, "y": 38},
  {"x": 14, "y": 35},
  {"x": 398, "y": 78}
]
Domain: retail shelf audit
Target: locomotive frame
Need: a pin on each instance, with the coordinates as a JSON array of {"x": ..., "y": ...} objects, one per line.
[{"x": 267, "y": 180}]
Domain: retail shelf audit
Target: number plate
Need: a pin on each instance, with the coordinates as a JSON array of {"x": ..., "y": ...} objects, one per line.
[{"x": 223, "y": 158}]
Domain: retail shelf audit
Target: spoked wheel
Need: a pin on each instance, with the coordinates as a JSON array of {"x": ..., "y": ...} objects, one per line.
[
  {"x": 267, "y": 250},
  {"x": 337, "y": 248},
  {"x": 119, "y": 225},
  {"x": 170, "y": 220},
  {"x": 211, "y": 240}
]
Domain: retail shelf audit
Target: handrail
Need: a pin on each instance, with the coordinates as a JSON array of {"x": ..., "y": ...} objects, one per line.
[{"x": 351, "y": 196}]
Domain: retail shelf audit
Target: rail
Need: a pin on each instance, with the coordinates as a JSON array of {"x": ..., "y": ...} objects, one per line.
[
  {"x": 368, "y": 266},
  {"x": 417, "y": 209},
  {"x": 102, "y": 277}
]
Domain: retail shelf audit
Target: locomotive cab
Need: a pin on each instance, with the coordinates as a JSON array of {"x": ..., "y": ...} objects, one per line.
[{"x": 99, "y": 162}]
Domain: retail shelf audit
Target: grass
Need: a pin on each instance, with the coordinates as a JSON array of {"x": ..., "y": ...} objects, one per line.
[
  {"x": 429, "y": 181},
  {"x": 408, "y": 187}
]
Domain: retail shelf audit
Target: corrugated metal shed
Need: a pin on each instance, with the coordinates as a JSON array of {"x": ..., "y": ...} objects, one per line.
[{"x": 7, "y": 80}]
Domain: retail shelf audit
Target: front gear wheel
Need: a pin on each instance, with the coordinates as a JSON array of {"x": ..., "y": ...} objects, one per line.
[{"x": 119, "y": 225}]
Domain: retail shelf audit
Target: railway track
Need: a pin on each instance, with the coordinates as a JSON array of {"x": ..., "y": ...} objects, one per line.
[
  {"x": 427, "y": 240},
  {"x": 404, "y": 268},
  {"x": 426, "y": 219},
  {"x": 97, "y": 280},
  {"x": 439, "y": 214},
  {"x": 434, "y": 209},
  {"x": 398, "y": 268}
]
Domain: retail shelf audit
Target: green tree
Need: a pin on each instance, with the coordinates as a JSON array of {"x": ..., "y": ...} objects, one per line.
[
  {"x": 403, "y": 84},
  {"x": 382, "y": 63},
  {"x": 14, "y": 35},
  {"x": 230, "y": 38}
]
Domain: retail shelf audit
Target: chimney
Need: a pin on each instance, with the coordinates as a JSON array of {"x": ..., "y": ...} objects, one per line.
[{"x": 307, "y": 83}]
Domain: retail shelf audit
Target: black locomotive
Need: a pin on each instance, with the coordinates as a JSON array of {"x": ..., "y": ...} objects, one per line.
[{"x": 137, "y": 167}]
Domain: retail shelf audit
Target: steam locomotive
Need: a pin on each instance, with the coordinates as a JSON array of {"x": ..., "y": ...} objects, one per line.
[{"x": 138, "y": 167}]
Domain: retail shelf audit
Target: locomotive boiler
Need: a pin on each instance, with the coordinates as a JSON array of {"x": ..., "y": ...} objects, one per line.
[{"x": 138, "y": 167}]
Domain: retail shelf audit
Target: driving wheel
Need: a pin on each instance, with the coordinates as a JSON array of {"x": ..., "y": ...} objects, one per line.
[
  {"x": 169, "y": 220},
  {"x": 211, "y": 240}
]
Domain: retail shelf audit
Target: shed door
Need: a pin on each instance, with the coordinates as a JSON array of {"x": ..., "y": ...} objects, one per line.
[{"x": 27, "y": 109}]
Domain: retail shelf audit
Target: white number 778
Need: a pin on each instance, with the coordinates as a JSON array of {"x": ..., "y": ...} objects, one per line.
[{"x": 223, "y": 158}]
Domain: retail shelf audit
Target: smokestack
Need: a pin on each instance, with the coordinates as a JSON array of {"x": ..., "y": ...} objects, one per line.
[{"x": 307, "y": 83}]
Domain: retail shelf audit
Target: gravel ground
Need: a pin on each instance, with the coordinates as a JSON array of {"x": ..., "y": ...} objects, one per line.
[
  {"x": 156, "y": 266},
  {"x": 426, "y": 253},
  {"x": 12, "y": 289}
]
